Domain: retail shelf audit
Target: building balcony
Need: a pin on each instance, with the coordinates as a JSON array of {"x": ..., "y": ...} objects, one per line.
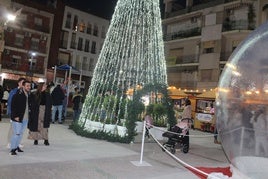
[
  {"x": 41, "y": 28},
  {"x": 34, "y": 47},
  {"x": 22, "y": 67},
  {"x": 182, "y": 85},
  {"x": 225, "y": 56},
  {"x": 207, "y": 4},
  {"x": 63, "y": 44},
  {"x": 189, "y": 60},
  {"x": 80, "y": 47},
  {"x": 183, "y": 34},
  {"x": 182, "y": 69},
  {"x": 236, "y": 25},
  {"x": 196, "y": 7},
  {"x": 176, "y": 13},
  {"x": 25, "y": 45},
  {"x": 93, "y": 51},
  {"x": 68, "y": 24},
  {"x": 86, "y": 49},
  {"x": 187, "y": 84},
  {"x": 73, "y": 45}
]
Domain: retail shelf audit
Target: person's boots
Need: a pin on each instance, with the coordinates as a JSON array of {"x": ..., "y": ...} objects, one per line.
[
  {"x": 46, "y": 142},
  {"x": 19, "y": 150},
  {"x": 35, "y": 142},
  {"x": 13, "y": 152}
]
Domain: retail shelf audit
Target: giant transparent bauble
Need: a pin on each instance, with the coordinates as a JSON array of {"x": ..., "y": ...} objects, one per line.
[{"x": 242, "y": 105}]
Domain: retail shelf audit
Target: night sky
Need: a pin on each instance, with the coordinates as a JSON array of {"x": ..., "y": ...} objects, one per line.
[{"x": 102, "y": 8}]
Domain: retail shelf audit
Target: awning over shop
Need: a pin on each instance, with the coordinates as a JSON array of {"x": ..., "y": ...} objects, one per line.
[
  {"x": 177, "y": 94},
  {"x": 67, "y": 67},
  {"x": 207, "y": 94}
]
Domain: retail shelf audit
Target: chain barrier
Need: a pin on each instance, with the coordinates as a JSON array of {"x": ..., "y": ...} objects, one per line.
[
  {"x": 190, "y": 135},
  {"x": 181, "y": 162}
]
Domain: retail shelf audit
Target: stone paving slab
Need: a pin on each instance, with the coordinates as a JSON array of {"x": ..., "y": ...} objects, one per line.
[{"x": 70, "y": 156}]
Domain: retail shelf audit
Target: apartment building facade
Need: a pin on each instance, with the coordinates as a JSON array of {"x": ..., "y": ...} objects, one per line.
[
  {"x": 26, "y": 45},
  {"x": 4, "y": 11},
  {"x": 201, "y": 35},
  {"x": 81, "y": 40}
]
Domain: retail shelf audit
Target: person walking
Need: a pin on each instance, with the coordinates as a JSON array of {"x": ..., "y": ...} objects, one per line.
[
  {"x": 260, "y": 126},
  {"x": 11, "y": 94},
  {"x": 187, "y": 113},
  {"x": 19, "y": 115},
  {"x": 187, "y": 110},
  {"x": 64, "y": 88},
  {"x": 1, "y": 96},
  {"x": 77, "y": 101},
  {"x": 40, "y": 115},
  {"x": 57, "y": 102},
  {"x": 149, "y": 124},
  {"x": 4, "y": 99}
]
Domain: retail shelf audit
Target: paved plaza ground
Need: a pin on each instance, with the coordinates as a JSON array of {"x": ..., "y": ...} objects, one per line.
[{"x": 74, "y": 157}]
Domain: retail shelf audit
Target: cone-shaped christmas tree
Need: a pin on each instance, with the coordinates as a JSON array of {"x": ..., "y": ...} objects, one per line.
[{"x": 131, "y": 58}]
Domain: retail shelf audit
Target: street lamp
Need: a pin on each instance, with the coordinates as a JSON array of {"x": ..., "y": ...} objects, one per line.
[
  {"x": 10, "y": 17},
  {"x": 3, "y": 23},
  {"x": 30, "y": 72}
]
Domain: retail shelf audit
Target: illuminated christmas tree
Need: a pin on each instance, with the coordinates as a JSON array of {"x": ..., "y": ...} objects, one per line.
[{"x": 132, "y": 58}]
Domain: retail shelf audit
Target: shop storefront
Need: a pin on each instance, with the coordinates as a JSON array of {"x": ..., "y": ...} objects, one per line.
[
  {"x": 204, "y": 111},
  {"x": 203, "y": 104},
  {"x": 10, "y": 80}
]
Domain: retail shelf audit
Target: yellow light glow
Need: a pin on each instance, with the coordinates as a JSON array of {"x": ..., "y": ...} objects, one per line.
[
  {"x": 11, "y": 17},
  {"x": 236, "y": 73},
  {"x": 171, "y": 88},
  {"x": 224, "y": 90},
  {"x": 41, "y": 80},
  {"x": 248, "y": 92},
  {"x": 3, "y": 75},
  {"x": 233, "y": 67}
]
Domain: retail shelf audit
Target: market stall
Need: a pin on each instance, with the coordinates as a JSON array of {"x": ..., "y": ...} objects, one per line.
[{"x": 204, "y": 111}]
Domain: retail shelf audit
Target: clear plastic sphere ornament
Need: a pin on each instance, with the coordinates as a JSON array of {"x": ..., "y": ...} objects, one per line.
[{"x": 242, "y": 106}]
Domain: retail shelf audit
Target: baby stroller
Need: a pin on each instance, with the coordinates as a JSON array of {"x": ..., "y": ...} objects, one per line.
[{"x": 179, "y": 135}]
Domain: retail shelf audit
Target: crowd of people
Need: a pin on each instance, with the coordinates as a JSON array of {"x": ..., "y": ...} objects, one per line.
[{"x": 35, "y": 108}]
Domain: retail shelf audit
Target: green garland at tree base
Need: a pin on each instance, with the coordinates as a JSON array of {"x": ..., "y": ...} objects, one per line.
[{"x": 99, "y": 134}]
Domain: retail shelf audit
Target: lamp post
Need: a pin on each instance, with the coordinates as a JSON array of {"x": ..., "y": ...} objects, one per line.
[
  {"x": 30, "y": 72},
  {"x": 33, "y": 54}
]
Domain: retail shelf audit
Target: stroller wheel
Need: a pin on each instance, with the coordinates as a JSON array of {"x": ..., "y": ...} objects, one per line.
[
  {"x": 185, "y": 148},
  {"x": 173, "y": 150}
]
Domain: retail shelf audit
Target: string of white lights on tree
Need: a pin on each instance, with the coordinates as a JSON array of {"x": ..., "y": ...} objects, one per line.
[{"x": 132, "y": 55}]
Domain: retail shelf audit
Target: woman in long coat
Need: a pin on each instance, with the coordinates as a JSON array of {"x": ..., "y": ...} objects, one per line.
[{"x": 40, "y": 114}]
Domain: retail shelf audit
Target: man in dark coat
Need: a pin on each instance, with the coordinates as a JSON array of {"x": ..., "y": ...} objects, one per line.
[
  {"x": 9, "y": 100},
  {"x": 19, "y": 115},
  {"x": 57, "y": 102}
]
